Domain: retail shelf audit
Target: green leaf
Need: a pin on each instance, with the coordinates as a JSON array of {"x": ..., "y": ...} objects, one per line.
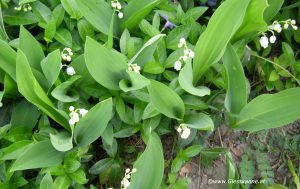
[
  {"x": 3, "y": 34},
  {"x": 78, "y": 176},
  {"x": 65, "y": 92},
  {"x": 186, "y": 82},
  {"x": 211, "y": 46},
  {"x": 273, "y": 8},
  {"x": 135, "y": 82},
  {"x": 47, "y": 182},
  {"x": 31, "y": 48},
  {"x": 39, "y": 155},
  {"x": 193, "y": 15},
  {"x": 176, "y": 34},
  {"x": 101, "y": 166},
  {"x": 64, "y": 37},
  {"x": 145, "y": 54},
  {"x": 199, "y": 121},
  {"x": 51, "y": 66},
  {"x": 165, "y": 100},
  {"x": 274, "y": 76},
  {"x": 85, "y": 29},
  {"x": 153, "y": 67},
  {"x": 96, "y": 12},
  {"x": 192, "y": 151},
  {"x": 270, "y": 111},
  {"x": 253, "y": 24},
  {"x": 71, "y": 7},
  {"x": 14, "y": 150},
  {"x": 152, "y": 160},
  {"x": 32, "y": 91},
  {"x": 236, "y": 96},
  {"x": 8, "y": 59},
  {"x": 137, "y": 10},
  {"x": 50, "y": 30},
  {"x": 62, "y": 182},
  {"x": 15, "y": 18},
  {"x": 24, "y": 114},
  {"x": 62, "y": 141},
  {"x": 105, "y": 65},
  {"x": 92, "y": 125}
]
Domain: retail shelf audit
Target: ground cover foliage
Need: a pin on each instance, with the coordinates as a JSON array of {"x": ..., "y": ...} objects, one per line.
[{"x": 95, "y": 93}]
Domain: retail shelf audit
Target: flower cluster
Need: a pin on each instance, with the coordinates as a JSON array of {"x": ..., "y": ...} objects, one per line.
[
  {"x": 25, "y": 7},
  {"x": 125, "y": 181},
  {"x": 74, "y": 116},
  {"x": 188, "y": 53},
  {"x": 116, "y": 5},
  {"x": 276, "y": 27},
  {"x": 134, "y": 67},
  {"x": 1, "y": 104},
  {"x": 66, "y": 54},
  {"x": 184, "y": 131}
]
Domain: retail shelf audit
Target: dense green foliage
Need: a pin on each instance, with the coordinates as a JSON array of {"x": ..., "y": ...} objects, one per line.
[{"x": 90, "y": 89}]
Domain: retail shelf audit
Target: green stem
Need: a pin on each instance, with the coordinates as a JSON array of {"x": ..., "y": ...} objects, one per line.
[{"x": 271, "y": 62}]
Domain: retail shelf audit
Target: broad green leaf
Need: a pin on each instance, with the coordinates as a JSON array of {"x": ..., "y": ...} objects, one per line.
[
  {"x": 165, "y": 100},
  {"x": 3, "y": 34},
  {"x": 71, "y": 7},
  {"x": 153, "y": 67},
  {"x": 92, "y": 125},
  {"x": 14, "y": 150},
  {"x": 134, "y": 82},
  {"x": 15, "y": 18},
  {"x": 236, "y": 96},
  {"x": 145, "y": 54},
  {"x": 125, "y": 113},
  {"x": 62, "y": 182},
  {"x": 273, "y": 9},
  {"x": 253, "y": 24},
  {"x": 199, "y": 121},
  {"x": 211, "y": 46},
  {"x": 21, "y": 2},
  {"x": 50, "y": 29},
  {"x": 42, "y": 11},
  {"x": 65, "y": 92},
  {"x": 47, "y": 182},
  {"x": 62, "y": 141},
  {"x": 152, "y": 160},
  {"x": 192, "y": 151},
  {"x": 31, "y": 48},
  {"x": 148, "y": 29},
  {"x": 186, "y": 82},
  {"x": 85, "y": 29},
  {"x": 51, "y": 66},
  {"x": 39, "y": 155},
  {"x": 193, "y": 14},
  {"x": 24, "y": 114},
  {"x": 8, "y": 59},
  {"x": 32, "y": 91},
  {"x": 105, "y": 65},
  {"x": 137, "y": 10},
  {"x": 97, "y": 12},
  {"x": 78, "y": 176},
  {"x": 64, "y": 37},
  {"x": 270, "y": 111},
  {"x": 101, "y": 166}
]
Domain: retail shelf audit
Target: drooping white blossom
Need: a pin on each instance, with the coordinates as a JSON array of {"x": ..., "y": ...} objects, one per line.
[
  {"x": 70, "y": 70},
  {"x": 177, "y": 65},
  {"x": 264, "y": 41}
]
